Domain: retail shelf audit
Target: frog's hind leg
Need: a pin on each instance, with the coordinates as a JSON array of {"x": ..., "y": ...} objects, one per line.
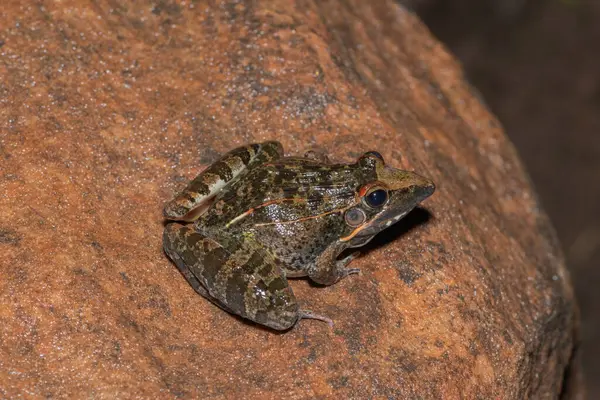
[
  {"x": 179, "y": 244},
  {"x": 246, "y": 282},
  {"x": 188, "y": 205}
]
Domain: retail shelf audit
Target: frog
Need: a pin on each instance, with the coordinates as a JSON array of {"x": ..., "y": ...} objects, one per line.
[{"x": 254, "y": 218}]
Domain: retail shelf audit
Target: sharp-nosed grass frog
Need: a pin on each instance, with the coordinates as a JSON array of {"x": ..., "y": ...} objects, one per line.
[{"x": 261, "y": 217}]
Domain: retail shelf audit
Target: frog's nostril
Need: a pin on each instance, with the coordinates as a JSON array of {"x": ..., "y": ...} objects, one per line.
[
  {"x": 424, "y": 191},
  {"x": 429, "y": 189}
]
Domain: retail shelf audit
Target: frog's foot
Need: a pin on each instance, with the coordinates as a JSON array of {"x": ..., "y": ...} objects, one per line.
[
  {"x": 348, "y": 259},
  {"x": 351, "y": 271},
  {"x": 345, "y": 261},
  {"x": 307, "y": 314}
]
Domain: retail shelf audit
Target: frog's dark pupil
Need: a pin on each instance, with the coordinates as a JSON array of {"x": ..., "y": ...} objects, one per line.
[{"x": 377, "y": 198}]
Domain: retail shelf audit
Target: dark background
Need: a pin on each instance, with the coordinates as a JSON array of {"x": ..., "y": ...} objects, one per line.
[{"x": 537, "y": 65}]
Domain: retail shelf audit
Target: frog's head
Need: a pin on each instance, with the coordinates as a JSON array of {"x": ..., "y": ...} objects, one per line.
[{"x": 385, "y": 197}]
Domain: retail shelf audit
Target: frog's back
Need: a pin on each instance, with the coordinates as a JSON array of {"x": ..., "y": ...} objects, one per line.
[{"x": 287, "y": 198}]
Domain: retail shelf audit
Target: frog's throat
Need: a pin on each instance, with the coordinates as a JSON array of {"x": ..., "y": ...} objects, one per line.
[{"x": 361, "y": 228}]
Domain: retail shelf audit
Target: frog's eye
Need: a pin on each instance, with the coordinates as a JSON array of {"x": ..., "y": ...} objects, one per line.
[
  {"x": 355, "y": 217},
  {"x": 375, "y": 154},
  {"x": 376, "y": 197},
  {"x": 371, "y": 159}
]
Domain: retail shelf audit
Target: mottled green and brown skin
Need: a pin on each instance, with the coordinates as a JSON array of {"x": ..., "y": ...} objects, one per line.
[{"x": 261, "y": 217}]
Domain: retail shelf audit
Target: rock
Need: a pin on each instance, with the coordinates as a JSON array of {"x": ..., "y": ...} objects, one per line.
[{"x": 108, "y": 109}]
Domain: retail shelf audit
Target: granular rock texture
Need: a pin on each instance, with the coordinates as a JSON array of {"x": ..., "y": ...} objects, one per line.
[{"x": 107, "y": 108}]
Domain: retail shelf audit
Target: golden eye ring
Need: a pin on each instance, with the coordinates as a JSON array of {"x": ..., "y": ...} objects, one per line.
[{"x": 376, "y": 197}]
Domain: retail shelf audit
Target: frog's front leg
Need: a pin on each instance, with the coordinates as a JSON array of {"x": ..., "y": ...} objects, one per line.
[
  {"x": 188, "y": 205},
  {"x": 246, "y": 282},
  {"x": 327, "y": 269}
]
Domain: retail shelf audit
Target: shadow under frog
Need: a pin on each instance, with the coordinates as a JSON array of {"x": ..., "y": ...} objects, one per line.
[{"x": 260, "y": 218}]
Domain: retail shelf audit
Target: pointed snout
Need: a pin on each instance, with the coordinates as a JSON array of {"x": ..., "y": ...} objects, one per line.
[
  {"x": 424, "y": 188},
  {"x": 418, "y": 185}
]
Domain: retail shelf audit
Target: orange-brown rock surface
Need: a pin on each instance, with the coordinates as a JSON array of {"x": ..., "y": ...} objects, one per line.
[{"x": 107, "y": 108}]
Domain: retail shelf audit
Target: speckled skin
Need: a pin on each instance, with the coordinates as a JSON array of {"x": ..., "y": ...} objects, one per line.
[{"x": 261, "y": 217}]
